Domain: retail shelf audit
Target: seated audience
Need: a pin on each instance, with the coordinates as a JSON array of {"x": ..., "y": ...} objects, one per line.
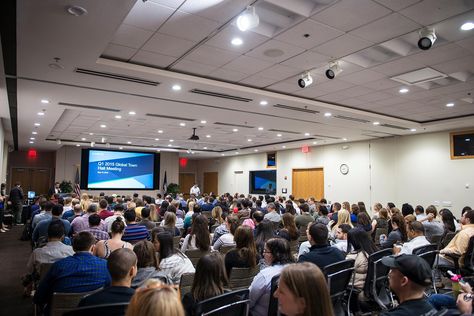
[
  {"x": 94, "y": 223},
  {"x": 272, "y": 214},
  {"x": 82, "y": 223},
  {"x": 82, "y": 272},
  {"x": 398, "y": 233},
  {"x": 305, "y": 217},
  {"x": 147, "y": 264},
  {"x": 103, "y": 210},
  {"x": 302, "y": 290},
  {"x": 321, "y": 254},
  {"x": 289, "y": 230},
  {"x": 263, "y": 232},
  {"x": 172, "y": 262},
  {"x": 419, "y": 212},
  {"x": 122, "y": 265},
  {"x": 209, "y": 281},
  {"x": 341, "y": 238},
  {"x": 199, "y": 238},
  {"x": 433, "y": 227},
  {"x": 276, "y": 254},
  {"x": 155, "y": 299},
  {"x": 133, "y": 232},
  {"x": 77, "y": 212},
  {"x": 44, "y": 214},
  {"x": 458, "y": 245},
  {"x": 41, "y": 230},
  {"x": 104, "y": 248},
  {"x": 450, "y": 222},
  {"x": 118, "y": 212},
  {"x": 146, "y": 219},
  {"x": 363, "y": 222},
  {"x": 408, "y": 278},
  {"x": 232, "y": 222},
  {"x": 416, "y": 237},
  {"x": 245, "y": 253},
  {"x": 343, "y": 217},
  {"x": 170, "y": 224}
]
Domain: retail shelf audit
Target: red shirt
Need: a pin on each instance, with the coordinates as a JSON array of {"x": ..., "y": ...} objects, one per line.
[{"x": 104, "y": 214}]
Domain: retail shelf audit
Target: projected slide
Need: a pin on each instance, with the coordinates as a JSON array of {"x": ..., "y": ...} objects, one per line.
[
  {"x": 263, "y": 182},
  {"x": 120, "y": 170}
]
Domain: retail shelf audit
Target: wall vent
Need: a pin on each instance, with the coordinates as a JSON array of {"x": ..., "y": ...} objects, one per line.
[
  {"x": 116, "y": 76},
  {"x": 238, "y": 172},
  {"x": 220, "y": 95},
  {"x": 171, "y": 117},
  {"x": 419, "y": 76},
  {"x": 348, "y": 118},
  {"x": 294, "y": 108},
  {"x": 233, "y": 125},
  {"x": 394, "y": 126},
  {"x": 88, "y": 107},
  {"x": 325, "y": 136},
  {"x": 282, "y": 131}
]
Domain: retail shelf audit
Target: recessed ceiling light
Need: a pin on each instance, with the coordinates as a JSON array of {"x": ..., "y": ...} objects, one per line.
[
  {"x": 37, "y": 124},
  {"x": 118, "y": 116},
  {"x": 249, "y": 140},
  {"x": 157, "y": 139},
  {"x": 76, "y": 10},
  {"x": 283, "y": 146},
  {"x": 129, "y": 142},
  {"x": 171, "y": 140},
  {"x": 34, "y": 133},
  {"x": 255, "y": 150},
  {"x": 314, "y": 143},
  {"x": 208, "y": 136},
  {"x": 83, "y": 138},
  {"x": 91, "y": 134},
  {"x": 306, "y": 134},
  {"x": 413, "y": 130},
  {"x": 235, "y": 130},
  {"x": 40, "y": 113},
  {"x": 169, "y": 145},
  {"x": 78, "y": 145},
  {"x": 103, "y": 126},
  {"x": 176, "y": 87},
  {"x": 403, "y": 90},
  {"x": 182, "y": 124},
  {"x": 344, "y": 139},
  {"x": 236, "y": 152},
  {"x": 236, "y": 41},
  {"x": 203, "y": 122},
  {"x": 44, "y": 101},
  {"x": 32, "y": 138},
  {"x": 160, "y": 131},
  {"x": 260, "y": 128},
  {"x": 132, "y": 113},
  {"x": 450, "y": 105},
  {"x": 376, "y": 123},
  {"x": 467, "y": 26},
  {"x": 222, "y": 154},
  {"x": 278, "y": 135},
  {"x": 120, "y": 147},
  {"x": 263, "y": 102},
  {"x": 327, "y": 114},
  {"x": 31, "y": 142},
  {"x": 204, "y": 148}
]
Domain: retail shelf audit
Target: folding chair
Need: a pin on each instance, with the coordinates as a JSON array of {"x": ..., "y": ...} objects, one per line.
[
  {"x": 338, "y": 276},
  {"x": 235, "y": 303}
]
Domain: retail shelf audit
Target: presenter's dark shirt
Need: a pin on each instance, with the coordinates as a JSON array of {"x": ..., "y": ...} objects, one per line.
[
  {"x": 322, "y": 255},
  {"x": 109, "y": 295},
  {"x": 16, "y": 195}
]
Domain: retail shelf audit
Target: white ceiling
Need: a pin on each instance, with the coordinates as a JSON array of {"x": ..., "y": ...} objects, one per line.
[{"x": 188, "y": 43}]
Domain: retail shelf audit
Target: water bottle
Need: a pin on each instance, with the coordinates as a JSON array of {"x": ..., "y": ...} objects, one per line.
[{"x": 456, "y": 279}]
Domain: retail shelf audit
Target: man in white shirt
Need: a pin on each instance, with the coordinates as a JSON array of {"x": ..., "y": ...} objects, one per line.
[
  {"x": 195, "y": 190},
  {"x": 416, "y": 234},
  {"x": 341, "y": 237}
]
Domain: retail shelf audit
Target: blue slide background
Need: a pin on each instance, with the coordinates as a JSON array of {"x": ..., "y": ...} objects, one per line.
[{"x": 140, "y": 177}]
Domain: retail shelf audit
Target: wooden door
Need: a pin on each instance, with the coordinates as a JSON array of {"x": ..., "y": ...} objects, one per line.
[
  {"x": 307, "y": 183},
  {"x": 210, "y": 182},
  {"x": 186, "y": 181},
  {"x": 31, "y": 179}
]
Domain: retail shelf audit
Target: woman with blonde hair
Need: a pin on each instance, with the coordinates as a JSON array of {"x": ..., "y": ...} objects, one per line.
[
  {"x": 343, "y": 217},
  {"x": 170, "y": 224},
  {"x": 85, "y": 201},
  {"x": 155, "y": 299},
  {"x": 302, "y": 290}
]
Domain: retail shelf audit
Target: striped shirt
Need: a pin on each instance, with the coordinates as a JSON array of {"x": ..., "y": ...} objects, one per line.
[{"x": 134, "y": 233}]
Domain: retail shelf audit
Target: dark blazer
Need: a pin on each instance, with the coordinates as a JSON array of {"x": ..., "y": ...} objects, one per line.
[
  {"x": 16, "y": 195},
  {"x": 322, "y": 255}
]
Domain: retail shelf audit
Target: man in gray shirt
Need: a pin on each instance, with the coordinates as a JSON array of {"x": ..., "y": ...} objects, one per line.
[{"x": 272, "y": 215}]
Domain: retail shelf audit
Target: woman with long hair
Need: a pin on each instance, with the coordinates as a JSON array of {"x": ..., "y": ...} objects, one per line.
[
  {"x": 276, "y": 254},
  {"x": 216, "y": 217},
  {"x": 232, "y": 222},
  {"x": 245, "y": 253},
  {"x": 359, "y": 247},
  {"x": 147, "y": 264},
  {"x": 450, "y": 223},
  {"x": 199, "y": 237},
  {"x": 209, "y": 281},
  {"x": 85, "y": 201},
  {"x": 104, "y": 248},
  {"x": 263, "y": 232},
  {"x": 302, "y": 291},
  {"x": 398, "y": 233},
  {"x": 343, "y": 217},
  {"x": 172, "y": 262},
  {"x": 363, "y": 222},
  {"x": 289, "y": 230},
  {"x": 170, "y": 224}
]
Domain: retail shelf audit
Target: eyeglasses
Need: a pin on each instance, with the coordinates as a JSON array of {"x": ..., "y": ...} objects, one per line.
[{"x": 267, "y": 251}]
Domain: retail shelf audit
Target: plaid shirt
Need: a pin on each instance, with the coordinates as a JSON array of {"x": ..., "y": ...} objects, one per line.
[
  {"x": 98, "y": 234},
  {"x": 82, "y": 272}
]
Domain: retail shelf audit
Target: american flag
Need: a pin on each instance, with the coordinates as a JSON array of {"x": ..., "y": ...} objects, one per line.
[{"x": 77, "y": 186}]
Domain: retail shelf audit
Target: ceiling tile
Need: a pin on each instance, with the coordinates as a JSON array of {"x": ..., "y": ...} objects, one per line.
[
  {"x": 381, "y": 84},
  {"x": 189, "y": 26},
  {"x": 227, "y": 75},
  {"x": 168, "y": 45},
  {"x": 258, "y": 81},
  {"x": 355, "y": 91},
  {"x": 440, "y": 54},
  {"x": 346, "y": 15},
  {"x": 169, "y": 3},
  {"x": 307, "y": 61},
  {"x": 287, "y": 86},
  {"x": 284, "y": 51},
  {"x": 119, "y": 51},
  {"x": 210, "y": 55},
  {"x": 386, "y": 28},
  {"x": 432, "y": 11},
  {"x": 189, "y": 66},
  {"x": 398, "y": 66},
  {"x": 152, "y": 59},
  {"x": 248, "y": 65},
  {"x": 373, "y": 97},
  {"x": 317, "y": 33},
  {"x": 467, "y": 43},
  {"x": 342, "y": 46},
  {"x": 456, "y": 65},
  {"x": 223, "y": 39},
  {"x": 217, "y": 10},
  {"x": 279, "y": 71},
  {"x": 363, "y": 76},
  {"x": 397, "y": 5},
  {"x": 131, "y": 36},
  {"x": 148, "y": 15}
]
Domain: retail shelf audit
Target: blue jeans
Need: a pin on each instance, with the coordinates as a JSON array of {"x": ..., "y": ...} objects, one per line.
[{"x": 440, "y": 301}]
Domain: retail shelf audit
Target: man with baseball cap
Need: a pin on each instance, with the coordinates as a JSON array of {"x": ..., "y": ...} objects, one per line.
[{"x": 408, "y": 277}]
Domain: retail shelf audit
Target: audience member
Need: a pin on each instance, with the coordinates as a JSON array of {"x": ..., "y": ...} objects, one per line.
[
  {"x": 263, "y": 232},
  {"x": 133, "y": 232},
  {"x": 289, "y": 230},
  {"x": 147, "y": 263},
  {"x": 104, "y": 248},
  {"x": 341, "y": 237},
  {"x": 398, "y": 233},
  {"x": 433, "y": 227},
  {"x": 232, "y": 222},
  {"x": 245, "y": 253},
  {"x": 94, "y": 223},
  {"x": 146, "y": 219},
  {"x": 416, "y": 236},
  {"x": 41, "y": 230},
  {"x": 82, "y": 223},
  {"x": 458, "y": 245},
  {"x": 103, "y": 209},
  {"x": 118, "y": 212},
  {"x": 305, "y": 217},
  {"x": 199, "y": 238}
]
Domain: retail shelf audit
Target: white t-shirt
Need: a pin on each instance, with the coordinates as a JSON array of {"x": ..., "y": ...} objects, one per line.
[{"x": 195, "y": 190}]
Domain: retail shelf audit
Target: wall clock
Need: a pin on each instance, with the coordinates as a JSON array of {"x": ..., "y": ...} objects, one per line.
[{"x": 344, "y": 169}]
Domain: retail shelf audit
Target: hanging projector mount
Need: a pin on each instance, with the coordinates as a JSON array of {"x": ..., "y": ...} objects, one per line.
[{"x": 194, "y": 136}]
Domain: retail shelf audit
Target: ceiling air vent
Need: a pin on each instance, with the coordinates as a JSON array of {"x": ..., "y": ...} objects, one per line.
[
  {"x": 294, "y": 108},
  {"x": 419, "y": 76},
  {"x": 220, "y": 95},
  {"x": 325, "y": 136},
  {"x": 233, "y": 125},
  {"x": 88, "y": 107},
  {"x": 394, "y": 126},
  {"x": 116, "y": 76},
  {"x": 282, "y": 131},
  {"x": 348, "y": 118},
  {"x": 171, "y": 117}
]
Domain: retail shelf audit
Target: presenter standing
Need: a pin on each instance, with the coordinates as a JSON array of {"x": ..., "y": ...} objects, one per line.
[{"x": 195, "y": 190}]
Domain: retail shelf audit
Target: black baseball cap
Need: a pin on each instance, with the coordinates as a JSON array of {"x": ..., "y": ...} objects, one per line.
[{"x": 416, "y": 269}]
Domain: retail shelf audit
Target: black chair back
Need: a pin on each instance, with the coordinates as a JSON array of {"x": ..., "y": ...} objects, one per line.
[
  {"x": 375, "y": 287},
  {"x": 446, "y": 239},
  {"x": 235, "y": 303},
  {"x": 117, "y": 309},
  {"x": 426, "y": 248},
  {"x": 338, "y": 276},
  {"x": 469, "y": 256},
  {"x": 273, "y": 304}
]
